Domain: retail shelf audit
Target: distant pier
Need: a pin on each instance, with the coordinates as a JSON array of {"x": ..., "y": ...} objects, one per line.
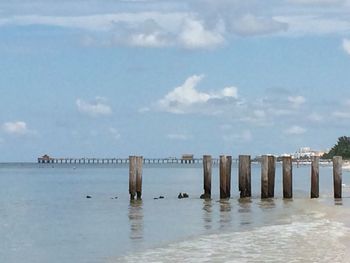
[{"x": 186, "y": 159}]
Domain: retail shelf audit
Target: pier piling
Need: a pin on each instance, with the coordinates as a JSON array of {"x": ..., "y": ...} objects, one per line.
[
  {"x": 244, "y": 176},
  {"x": 264, "y": 176},
  {"x": 271, "y": 175},
  {"x": 132, "y": 177},
  {"x": 228, "y": 175},
  {"x": 207, "y": 171},
  {"x": 315, "y": 160},
  {"x": 337, "y": 176},
  {"x": 287, "y": 177},
  {"x": 139, "y": 162},
  {"x": 223, "y": 177}
]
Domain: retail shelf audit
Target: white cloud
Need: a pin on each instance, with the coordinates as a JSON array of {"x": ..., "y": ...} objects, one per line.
[
  {"x": 178, "y": 136},
  {"x": 183, "y": 98},
  {"x": 301, "y": 25},
  {"x": 259, "y": 113},
  {"x": 16, "y": 128},
  {"x": 317, "y": 2},
  {"x": 154, "y": 39},
  {"x": 296, "y": 101},
  {"x": 96, "y": 108},
  {"x": 245, "y": 136},
  {"x": 252, "y": 25},
  {"x": 342, "y": 114},
  {"x": 194, "y": 35},
  {"x": 99, "y": 22},
  {"x": 315, "y": 117},
  {"x": 115, "y": 133},
  {"x": 346, "y": 45},
  {"x": 295, "y": 130},
  {"x": 257, "y": 117},
  {"x": 144, "y": 110}
]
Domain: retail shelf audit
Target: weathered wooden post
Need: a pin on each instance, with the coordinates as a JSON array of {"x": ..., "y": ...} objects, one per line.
[
  {"x": 244, "y": 176},
  {"x": 132, "y": 177},
  {"x": 207, "y": 170},
  {"x": 223, "y": 175},
  {"x": 337, "y": 176},
  {"x": 287, "y": 177},
  {"x": 264, "y": 176},
  {"x": 139, "y": 162},
  {"x": 315, "y": 160},
  {"x": 228, "y": 175},
  {"x": 271, "y": 175}
]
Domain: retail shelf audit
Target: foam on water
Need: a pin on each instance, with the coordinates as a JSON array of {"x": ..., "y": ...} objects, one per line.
[{"x": 308, "y": 238}]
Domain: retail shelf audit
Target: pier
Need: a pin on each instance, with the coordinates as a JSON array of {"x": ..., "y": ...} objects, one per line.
[{"x": 172, "y": 160}]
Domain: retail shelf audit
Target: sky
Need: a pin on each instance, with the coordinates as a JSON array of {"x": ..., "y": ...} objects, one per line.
[{"x": 158, "y": 78}]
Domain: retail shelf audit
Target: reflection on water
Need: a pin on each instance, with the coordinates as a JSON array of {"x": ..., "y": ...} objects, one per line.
[
  {"x": 268, "y": 203},
  {"x": 225, "y": 213},
  {"x": 136, "y": 219},
  {"x": 245, "y": 211},
  {"x": 338, "y": 201},
  {"x": 207, "y": 214},
  {"x": 244, "y": 205}
]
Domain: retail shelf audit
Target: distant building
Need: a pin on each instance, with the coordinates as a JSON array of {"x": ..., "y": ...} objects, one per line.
[
  {"x": 306, "y": 153},
  {"x": 187, "y": 158},
  {"x": 45, "y": 159}
]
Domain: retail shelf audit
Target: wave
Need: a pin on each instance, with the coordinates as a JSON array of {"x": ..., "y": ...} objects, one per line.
[{"x": 307, "y": 239}]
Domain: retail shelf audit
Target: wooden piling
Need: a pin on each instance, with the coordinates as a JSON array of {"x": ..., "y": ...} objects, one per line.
[
  {"x": 132, "y": 177},
  {"x": 264, "y": 176},
  {"x": 244, "y": 176},
  {"x": 337, "y": 176},
  {"x": 287, "y": 177},
  {"x": 139, "y": 162},
  {"x": 223, "y": 175},
  {"x": 207, "y": 171},
  {"x": 315, "y": 160},
  {"x": 271, "y": 175},
  {"x": 228, "y": 175}
]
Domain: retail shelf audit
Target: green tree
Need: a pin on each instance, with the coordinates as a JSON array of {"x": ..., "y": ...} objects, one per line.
[{"x": 342, "y": 148}]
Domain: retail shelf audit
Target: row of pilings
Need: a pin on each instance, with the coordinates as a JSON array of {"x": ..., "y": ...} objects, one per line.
[{"x": 268, "y": 172}]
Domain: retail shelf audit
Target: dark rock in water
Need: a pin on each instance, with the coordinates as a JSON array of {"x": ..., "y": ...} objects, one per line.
[
  {"x": 182, "y": 195},
  {"x": 116, "y": 197},
  {"x": 161, "y": 197},
  {"x": 155, "y": 198},
  {"x": 88, "y": 196}
]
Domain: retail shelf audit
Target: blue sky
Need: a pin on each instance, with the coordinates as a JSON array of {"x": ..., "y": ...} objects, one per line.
[{"x": 162, "y": 78}]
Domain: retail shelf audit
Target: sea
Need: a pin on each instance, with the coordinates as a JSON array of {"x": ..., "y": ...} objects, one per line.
[{"x": 45, "y": 216}]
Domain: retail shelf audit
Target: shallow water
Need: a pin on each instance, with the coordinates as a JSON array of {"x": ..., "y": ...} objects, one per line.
[{"x": 45, "y": 217}]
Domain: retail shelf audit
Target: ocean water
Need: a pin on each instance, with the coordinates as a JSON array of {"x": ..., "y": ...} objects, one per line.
[{"x": 46, "y": 217}]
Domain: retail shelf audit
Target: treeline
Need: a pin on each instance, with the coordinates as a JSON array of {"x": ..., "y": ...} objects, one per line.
[{"x": 342, "y": 148}]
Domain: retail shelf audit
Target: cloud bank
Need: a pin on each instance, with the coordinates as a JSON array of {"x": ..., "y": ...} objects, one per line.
[{"x": 187, "y": 24}]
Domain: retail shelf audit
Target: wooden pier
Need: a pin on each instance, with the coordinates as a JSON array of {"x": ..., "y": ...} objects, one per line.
[{"x": 268, "y": 174}]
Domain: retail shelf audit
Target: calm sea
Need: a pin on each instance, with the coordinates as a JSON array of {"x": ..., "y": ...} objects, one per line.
[{"x": 46, "y": 217}]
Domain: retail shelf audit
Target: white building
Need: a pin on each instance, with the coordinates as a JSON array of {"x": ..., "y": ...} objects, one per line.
[{"x": 306, "y": 152}]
